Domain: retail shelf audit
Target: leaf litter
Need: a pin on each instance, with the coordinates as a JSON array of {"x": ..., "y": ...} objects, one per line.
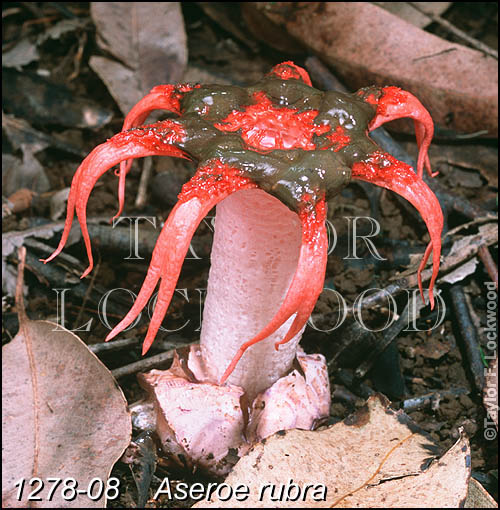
[
  {"x": 63, "y": 415},
  {"x": 375, "y": 458},
  {"x": 379, "y": 473}
]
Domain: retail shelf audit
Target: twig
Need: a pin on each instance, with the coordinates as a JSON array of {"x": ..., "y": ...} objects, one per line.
[
  {"x": 77, "y": 59},
  {"x": 469, "y": 335},
  {"x": 146, "y": 363},
  {"x": 477, "y": 221},
  {"x": 410, "y": 313},
  {"x": 38, "y": 246},
  {"x": 464, "y": 249},
  {"x": 489, "y": 263},
  {"x": 115, "y": 345},
  {"x": 430, "y": 399},
  {"x": 468, "y": 136},
  {"x": 142, "y": 193},
  {"x": 353, "y": 384},
  {"x": 54, "y": 275},
  {"x": 322, "y": 75},
  {"x": 456, "y": 31},
  {"x": 432, "y": 55},
  {"x": 342, "y": 394}
]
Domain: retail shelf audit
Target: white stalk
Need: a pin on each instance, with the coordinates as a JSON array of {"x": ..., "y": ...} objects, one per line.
[{"x": 254, "y": 257}]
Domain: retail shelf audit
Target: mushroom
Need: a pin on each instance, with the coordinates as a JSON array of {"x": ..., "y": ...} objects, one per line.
[{"x": 270, "y": 156}]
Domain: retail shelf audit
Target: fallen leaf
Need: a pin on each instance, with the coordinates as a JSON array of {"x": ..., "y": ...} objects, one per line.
[
  {"x": 21, "y": 134},
  {"x": 465, "y": 179},
  {"x": 367, "y": 45},
  {"x": 62, "y": 27},
  {"x": 43, "y": 101},
  {"x": 27, "y": 173},
  {"x": 58, "y": 204},
  {"x": 149, "y": 43},
  {"x": 13, "y": 240},
  {"x": 463, "y": 248},
  {"x": 21, "y": 54},
  {"x": 434, "y": 347},
  {"x": 20, "y": 200},
  {"x": 63, "y": 416},
  {"x": 406, "y": 11},
  {"x": 376, "y": 457},
  {"x": 25, "y": 51},
  {"x": 228, "y": 16},
  {"x": 482, "y": 158},
  {"x": 461, "y": 272},
  {"x": 478, "y": 497}
]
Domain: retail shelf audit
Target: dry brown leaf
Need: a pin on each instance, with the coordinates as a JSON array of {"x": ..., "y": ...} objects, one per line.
[
  {"x": 149, "y": 42},
  {"x": 367, "y": 45},
  {"x": 377, "y": 457},
  {"x": 478, "y": 497},
  {"x": 21, "y": 200},
  {"x": 63, "y": 416},
  {"x": 461, "y": 272},
  {"x": 406, "y": 11}
]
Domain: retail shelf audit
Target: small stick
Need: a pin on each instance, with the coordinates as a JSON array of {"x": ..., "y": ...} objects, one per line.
[
  {"x": 469, "y": 335},
  {"x": 147, "y": 363},
  {"x": 114, "y": 345},
  {"x": 353, "y": 384},
  {"x": 140, "y": 200},
  {"x": 143, "y": 364},
  {"x": 477, "y": 221},
  {"x": 489, "y": 263},
  {"x": 410, "y": 313},
  {"x": 456, "y": 31},
  {"x": 77, "y": 60},
  {"x": 474, "y": 242},
  {"x": 423, "y": 401},
  {"x": 45, "y": 248},
  {"x": 342, "y": 394},
  {"x": 54, "y": 275}
]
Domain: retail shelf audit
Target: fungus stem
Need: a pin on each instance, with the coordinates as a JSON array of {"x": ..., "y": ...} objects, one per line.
[{"x": 255, "y": 254}]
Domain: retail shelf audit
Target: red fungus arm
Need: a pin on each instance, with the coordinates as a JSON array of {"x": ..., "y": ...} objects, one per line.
[
  {"x": 212, "y": 183},
  {"x": 393, "y": 103},
  {"x": 161, "y": 97},
  {"x": 288, "y": 70},
  {"x": 384, "y": 170},
  {"x": 154, "y": 140}
]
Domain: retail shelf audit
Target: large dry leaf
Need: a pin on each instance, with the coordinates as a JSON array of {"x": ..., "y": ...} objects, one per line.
[
  {"x": 478, "y": 497},
  {"x": 367, "y": 45},
  {"x": 375, "y": 458},
  {"x": 63, "y": 416},
  {"x": 149, "y": 43},
  {"x": 406, "y": 10}
]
